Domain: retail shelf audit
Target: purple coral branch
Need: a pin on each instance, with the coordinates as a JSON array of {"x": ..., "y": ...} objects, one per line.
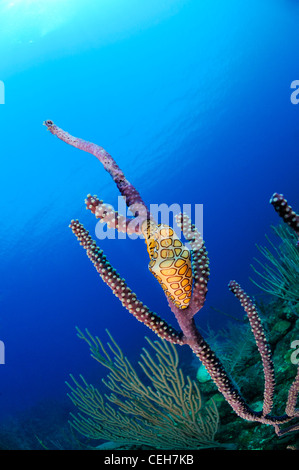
[
  {"x": 200, "y": 264},
  {"x": 261, "y": 341},
  {"x": 120, "y": 288},
  {"x": 131, "y": 195},
  {"x": 286, "y": 212},
  {"x": 291, "y": 409},
  {"x": 189, "y": 334},
  {"x": 107, "y": 215}
]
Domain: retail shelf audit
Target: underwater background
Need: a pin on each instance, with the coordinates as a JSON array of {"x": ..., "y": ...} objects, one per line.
[{"x": 192, "y": 100}]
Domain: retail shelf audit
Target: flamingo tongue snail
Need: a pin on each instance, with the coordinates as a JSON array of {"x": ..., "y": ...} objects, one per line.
[{"x": 170, "y": 262}]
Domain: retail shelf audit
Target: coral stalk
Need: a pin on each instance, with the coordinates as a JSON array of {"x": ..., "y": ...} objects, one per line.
[
  {"x": 127, "y": 190},
  {"x": 200, "y": 263},
  {"x": 189, "y": 334},
  {"x": 120, "y": 288},
  {"x": 286, "y": 212},
  {"x": 107, "y": 215},
  {"x": 261, "y": 341}
]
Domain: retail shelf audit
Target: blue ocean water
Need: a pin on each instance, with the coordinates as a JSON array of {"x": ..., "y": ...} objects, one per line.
[{"x": 192, "y": 99}]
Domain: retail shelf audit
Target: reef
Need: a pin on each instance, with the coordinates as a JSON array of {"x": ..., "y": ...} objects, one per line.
[
  {"x": 174, "y": 270},
  {"x": 237, "y": 349}
]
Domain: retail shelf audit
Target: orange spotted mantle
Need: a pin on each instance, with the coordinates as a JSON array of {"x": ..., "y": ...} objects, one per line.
[{"x": 170, "y": 262}]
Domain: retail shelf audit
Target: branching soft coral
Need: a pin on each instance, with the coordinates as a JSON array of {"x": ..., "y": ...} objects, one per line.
[{"x": 161, "y": 244}]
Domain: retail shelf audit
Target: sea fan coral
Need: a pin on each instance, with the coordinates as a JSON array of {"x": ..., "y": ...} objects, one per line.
[
  {"x": 280, "y": 267},
  {"x": 167, "y": 414}
]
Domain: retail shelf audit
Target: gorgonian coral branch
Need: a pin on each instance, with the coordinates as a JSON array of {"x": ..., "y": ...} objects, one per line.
[
  {"x": 107, "y": 215},
  {"x": 200, "y": 262},
  {"x": 261, "y": 341},
  {"x": 173, "y": 257},
  {"x": 120, "y": 288},
  {"x": 286, "y": 212},
  {"x": 127, "y": 190}
]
